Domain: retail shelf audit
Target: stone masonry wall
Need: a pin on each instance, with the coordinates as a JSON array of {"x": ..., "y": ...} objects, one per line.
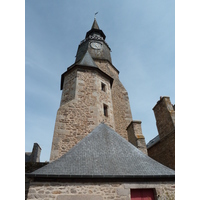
[
  {"x": 69, "y": 88},
  {"x": 79, "y": 116},
  {"x": 136, "y": 137},
  {"x": 165, "y": 116},
  {"x": 121, "y": 106},
  {"x": 96, "y": 191},
  {"x": 30, "y": 167},
  {"x": 164, "y": 151}
]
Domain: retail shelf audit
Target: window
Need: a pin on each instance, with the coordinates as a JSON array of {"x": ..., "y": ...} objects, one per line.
[
  {"x": 103, "y": 87},
  {"x": 105, "y": 110}
]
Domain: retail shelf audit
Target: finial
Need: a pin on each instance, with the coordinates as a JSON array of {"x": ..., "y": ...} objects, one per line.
[{"x": 95, "y": 15}]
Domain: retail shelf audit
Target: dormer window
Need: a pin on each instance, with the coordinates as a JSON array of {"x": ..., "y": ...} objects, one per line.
[{"x": 103, "y": 87}]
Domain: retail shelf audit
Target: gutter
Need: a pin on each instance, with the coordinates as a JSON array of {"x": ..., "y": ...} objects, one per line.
[{"x": 30, "y": 175}]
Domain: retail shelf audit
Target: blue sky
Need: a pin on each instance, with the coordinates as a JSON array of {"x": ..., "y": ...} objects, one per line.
[{"x": 141, "y": 35}]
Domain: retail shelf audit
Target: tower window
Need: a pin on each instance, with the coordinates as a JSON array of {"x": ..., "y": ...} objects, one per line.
[
  {"x": 105, "y": 110},
  {"x": 103, "y": 87}
]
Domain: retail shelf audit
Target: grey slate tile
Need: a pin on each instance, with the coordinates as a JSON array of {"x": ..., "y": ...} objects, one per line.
[
  {"x": 104, "y": 152},
  {"x": 87, "y": 60}
]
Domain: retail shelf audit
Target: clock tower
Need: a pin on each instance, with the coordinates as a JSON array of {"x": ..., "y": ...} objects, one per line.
[
  {"x": 95, "y": 43},
  {"x": 91, "y": 94}
]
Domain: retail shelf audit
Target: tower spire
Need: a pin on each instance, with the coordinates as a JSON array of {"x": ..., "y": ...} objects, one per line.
[
  {"x": 95, "y": 30},
  {"x": 95, "y": 25}
]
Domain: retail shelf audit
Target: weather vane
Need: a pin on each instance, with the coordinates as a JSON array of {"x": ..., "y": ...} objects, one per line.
[{"x": 95, "y": 14}]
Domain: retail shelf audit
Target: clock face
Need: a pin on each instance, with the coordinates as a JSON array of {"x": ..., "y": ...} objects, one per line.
[{"x": 96, "y": 45}]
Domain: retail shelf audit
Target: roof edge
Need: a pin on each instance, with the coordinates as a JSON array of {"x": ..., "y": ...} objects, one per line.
[
  {"x": 77, "y": 66},
  {"x": 31, "y": 175}
]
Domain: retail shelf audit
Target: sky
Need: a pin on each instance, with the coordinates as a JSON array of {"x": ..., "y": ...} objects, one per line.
[{"x": 141, "y": 35}]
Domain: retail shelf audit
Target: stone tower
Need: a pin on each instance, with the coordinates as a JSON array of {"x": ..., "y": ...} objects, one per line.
[{"x": 91, "y": 93}]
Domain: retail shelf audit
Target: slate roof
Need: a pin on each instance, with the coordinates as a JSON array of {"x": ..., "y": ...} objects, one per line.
[
  {"x": 87, "y": 60},
  {"x": 104, "y": 153},
  {"x": 95, "y": 29},
  {"x": 95, "y": 25},
  {"x": 153, "y": 141}
]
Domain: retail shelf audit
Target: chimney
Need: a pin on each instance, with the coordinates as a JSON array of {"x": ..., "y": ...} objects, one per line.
[
  {"x": 135, "y": 136},
  {"x": 164, "y": 113},
  {"x": 35, "y": 155}
]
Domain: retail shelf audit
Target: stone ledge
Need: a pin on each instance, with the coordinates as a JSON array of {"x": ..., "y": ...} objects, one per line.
[
  {"x": 140, "y": 137},
  {"x": 134, "y": 122}
]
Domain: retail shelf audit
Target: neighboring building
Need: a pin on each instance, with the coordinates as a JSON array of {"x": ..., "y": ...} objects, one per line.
[
  {"x": 33, "y": 156},
  {"x": 32, "y": 162},
  {"x": 98, "y": 151},
  {"x": 162, "y": 147}
]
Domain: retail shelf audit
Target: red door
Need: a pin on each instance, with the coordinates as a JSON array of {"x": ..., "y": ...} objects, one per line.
[{"x": 142, "y": 194}]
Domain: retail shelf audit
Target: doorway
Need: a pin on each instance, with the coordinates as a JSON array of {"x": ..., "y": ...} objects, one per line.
[{"x": 142, "y": 194}]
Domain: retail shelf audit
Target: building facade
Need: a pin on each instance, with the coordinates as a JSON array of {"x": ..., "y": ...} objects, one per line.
[
  {"x": 162, "y": 147},
  {"x": 101, "y": 166}
]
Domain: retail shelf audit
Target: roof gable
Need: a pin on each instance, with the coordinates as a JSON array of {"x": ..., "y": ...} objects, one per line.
[{"x": 104, "y": 153}]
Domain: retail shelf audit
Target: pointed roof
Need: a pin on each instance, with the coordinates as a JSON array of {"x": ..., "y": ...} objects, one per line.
[
  {"x": 104, "y": 153},
  {"x": 95, "y": 25},
  {"x": 87, "y": 60},
  {"x": 95, "y": 29}
]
